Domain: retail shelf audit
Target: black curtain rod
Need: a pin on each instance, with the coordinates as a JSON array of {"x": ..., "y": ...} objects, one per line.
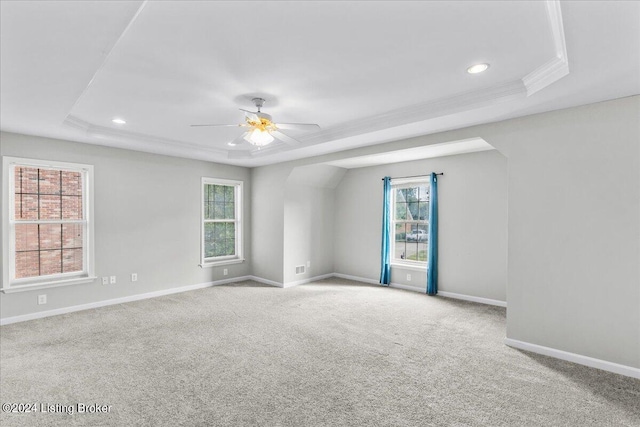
[{"x": 414, "y": 176}]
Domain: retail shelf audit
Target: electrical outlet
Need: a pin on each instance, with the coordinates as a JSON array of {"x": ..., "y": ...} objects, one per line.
[
  {"x": 225, "y": 272},
  {"x": 42, "y": 299},
  {"x": 134, "y": 277},
  {"x": 112, "y": 280},
  {"x": 408, "y": 277},
  {"x": 105, "y": 280}
]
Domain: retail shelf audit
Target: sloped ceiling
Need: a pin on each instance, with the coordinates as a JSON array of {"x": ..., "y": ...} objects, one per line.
[{"x": 366, "y": 72}]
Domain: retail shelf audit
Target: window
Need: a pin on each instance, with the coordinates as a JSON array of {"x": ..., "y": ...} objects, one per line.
[
  {"x": 410, "y": 222},
  {"x": 47, "y": 224},
  {"x": 221, "y": 222}
]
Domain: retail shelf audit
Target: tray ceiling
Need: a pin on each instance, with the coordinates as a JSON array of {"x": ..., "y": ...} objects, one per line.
[{"x": 365, "y": 72}]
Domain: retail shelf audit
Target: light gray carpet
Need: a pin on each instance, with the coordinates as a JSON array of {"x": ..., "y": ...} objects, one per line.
[{"x": 331, "y": 353}]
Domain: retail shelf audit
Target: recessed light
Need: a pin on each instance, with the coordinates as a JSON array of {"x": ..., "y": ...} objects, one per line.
[
  {"x": 231, "y": 144},
  {"x": 119, "y": 121},
  {"x": 478, "y": 68}
]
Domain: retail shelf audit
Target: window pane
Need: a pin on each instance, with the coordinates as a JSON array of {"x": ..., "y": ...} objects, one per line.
[
  {"x": 400, "y": 233},
  {"x": 50, "y": 207},
  {"x": 218, "y": 193},
  {"x": 230, "y": 230},
  {"x": 412, "y": 251},
  {"x": 208, "y": 210},
  {"x": 400, "y": 250},
  {"x": 401, "y": 211},
  {"x": 412, "y": 213},
  {"x": 26, "y": 180},
  {"x": 49, "y": 181},
  {"x": 208, "y": 239},
  {"x": 229, "y": 211},
  {"x": 207, "y": 193},
  {"x": 26, "y": 206},
  {"x": 50, "y": 262},
  {"x": 422, "y": 251},
  {"x": 72, "y": 235},
  {"x": 219, "y": 231},
  {"x": 230, "y": 247},
  {"x": 71, "y": 260},
  {"x": 26, "y": 237},
  {"x": 411, "y": 194},
  {"x": 423, "y": 211},
  {"x": 50, "y": 236},
  {"x": 71, "y": 183},
  {"x": 400, "y": 195},
  {"x": 229, "y": 195},
  {"x": 423, "y": 193},
  {"x": 27, "y": 264},
  {"x": 218, "y": 211},
  {"x": 71, "y": 207}
]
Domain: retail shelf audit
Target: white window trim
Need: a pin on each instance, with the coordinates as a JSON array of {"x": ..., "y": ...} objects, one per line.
[
  {"x": 238, "y": 194},
  {"x": 8, "y": 232},
  {"x": 395, "y": 184}
]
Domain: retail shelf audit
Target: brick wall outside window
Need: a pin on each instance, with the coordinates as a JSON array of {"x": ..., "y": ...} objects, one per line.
[{"x": 51, "y": 248}]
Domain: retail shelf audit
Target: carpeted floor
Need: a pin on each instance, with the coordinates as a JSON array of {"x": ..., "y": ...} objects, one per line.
[{"x": 330, "y": 353}]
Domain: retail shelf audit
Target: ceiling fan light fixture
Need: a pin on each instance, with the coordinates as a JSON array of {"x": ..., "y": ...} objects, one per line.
[
  {"x": 477, "y": 68},
  {"x": 259, "y": 137}
]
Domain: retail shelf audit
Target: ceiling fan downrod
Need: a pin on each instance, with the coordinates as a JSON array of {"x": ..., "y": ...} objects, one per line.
[{"x": 258, "y": 102}]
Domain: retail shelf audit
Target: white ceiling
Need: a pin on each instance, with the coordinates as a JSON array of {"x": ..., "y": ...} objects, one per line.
[{"x": 366, "y": 72}]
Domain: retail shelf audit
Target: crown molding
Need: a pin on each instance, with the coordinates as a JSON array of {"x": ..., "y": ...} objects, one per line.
[
  {"x": 424, "y": 111},
  {"x": 558, "y": 67},
  {"x": 110, "y": 134}
]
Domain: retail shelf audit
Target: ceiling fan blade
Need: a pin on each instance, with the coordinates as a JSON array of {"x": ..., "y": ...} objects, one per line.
[
  {"x": 193, "y": 126},
  {"x": 284, "y": 138},
  {"x": 298, "y": 126},
  {"x": 251, "y": 116},
  {"x": 239, "y": 140},
  {"x": 247, "y": 111}
]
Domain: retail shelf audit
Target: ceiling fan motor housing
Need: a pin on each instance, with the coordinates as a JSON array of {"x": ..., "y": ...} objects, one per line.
[{"x": 258, "y": 102}]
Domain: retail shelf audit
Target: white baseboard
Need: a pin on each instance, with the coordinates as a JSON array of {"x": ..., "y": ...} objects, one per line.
[
  {"x": 266, "y": 281},
  {"x": 473, "y": 299},
  {"x": 309, "y": 280},
  {"x": 356, "y": 278},
  {"x": 423, "y": 290},
  {"x": 575, "y": 358},
  {"x": 114, "y": 301},
  {"x": 290, "y": 284}
]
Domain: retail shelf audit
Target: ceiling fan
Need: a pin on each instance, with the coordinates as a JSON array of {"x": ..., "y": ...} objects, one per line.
[{"x": 261, "y": 130}]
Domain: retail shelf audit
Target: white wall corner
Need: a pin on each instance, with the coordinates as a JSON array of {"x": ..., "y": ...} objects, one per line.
[
  {"x": 266, "y": 281},
  {"x": 309, "y": 280},
  {"x": 591, "y": 362}
]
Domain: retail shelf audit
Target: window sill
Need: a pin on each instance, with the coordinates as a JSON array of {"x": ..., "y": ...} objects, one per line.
[
  {"x": 416, "y": 267},
  {"x": 45, "y": 285},
  {"x": 224, "y": 262}
]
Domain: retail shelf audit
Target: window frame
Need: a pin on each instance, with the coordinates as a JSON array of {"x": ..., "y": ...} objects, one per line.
[
  {"x": 395, "y": 185},
  {"x": 238, "y": 221},
  {"x": 87, "y": 275}
]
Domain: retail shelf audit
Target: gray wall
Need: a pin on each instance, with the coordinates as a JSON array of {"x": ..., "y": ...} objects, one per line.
[
  {"x": 147, "y": 221},
  {"x": 574, "y": 228},
  {"x": 472, "y": 202},
  {"x": 267, "y": 201},
  {"x": 308, "y": 220},
  {"x": 573, "y": 279}
]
